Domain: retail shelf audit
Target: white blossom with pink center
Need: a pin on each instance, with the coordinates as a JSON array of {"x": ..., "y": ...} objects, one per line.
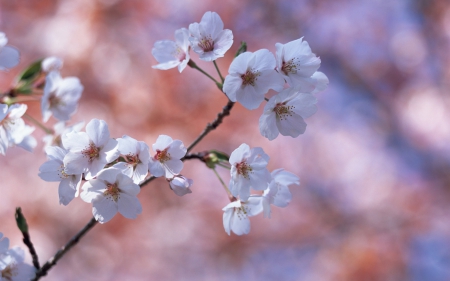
[
  {"x": 170, "y": 54},
  {"x": 134, "y": 156},
  {"x": 110, "y": 192},
  {"x": 236, "y": 215},
  {"x": 208, "y": 38},
  {"x": 89, "y": 151},
  {"x": 250, "y": 77},
  {"x": 248, "y": 170},
  {"x": 166, "y": 160},
  {"x": 12, "y": 266},
  {"x": 60, "y": 97},
  {"x": 298, "y": 64},
  {"x": 285, "y": 112}
]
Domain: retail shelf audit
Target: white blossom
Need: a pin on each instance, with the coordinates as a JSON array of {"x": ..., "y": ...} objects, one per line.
[
  {"x": 285, "y": 112},
  {"x": 250, "y": 77},
  {"x": 170, "y": 54},
  {"x": 135, "y": 155},
  {"x": 248, "y": 170},
  {"x": 278, "y": 192},
  {"x": 13, "y": 130},
  {"x": 9, "y": 56},
  {"x": 60, "y": 96},
  {"x": 89, "y": 151},
  {"x": 236, "y": 215},
  {"x": 51, "y": 64},
  {"x": 53, "y": 170},
  {"x": 180, "y": 185},
  {"x": 111, "y": 192},
  {"x": 166, "y": 160},
  {"x": 208, "y": 38},
  {"x": 296, "y": 62},
  {"x": 12, "y": 266}
]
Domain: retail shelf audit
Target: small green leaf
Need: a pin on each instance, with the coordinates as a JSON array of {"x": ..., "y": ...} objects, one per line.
[
  {"x": 242, "y": 49},
  {"x": 32, "y": 71}
]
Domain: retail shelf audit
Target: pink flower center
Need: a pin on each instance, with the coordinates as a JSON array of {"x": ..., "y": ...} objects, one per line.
[
  {"x": 283, "y": 111},
  {"x": 162, "y": 155},
  {"x": 243, "y": 169},
  {"x": 54, "y": 101},
  {"x": 92, "y": 152},
  {"x": 289, "y": 67},
  {"x": 249, "y": 78},
  {"x": 179, "y": 54},
  {"x": 207, "y": 44},
  {"x": 132, "y": 159},
  {"x": 113, "y": 191}
]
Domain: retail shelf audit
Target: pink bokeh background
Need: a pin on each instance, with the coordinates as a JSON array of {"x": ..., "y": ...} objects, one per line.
[{"x": 374, "y": 162}]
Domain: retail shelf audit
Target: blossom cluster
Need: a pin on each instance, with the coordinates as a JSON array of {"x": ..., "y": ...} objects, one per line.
[{"x": 112, "y": 169}]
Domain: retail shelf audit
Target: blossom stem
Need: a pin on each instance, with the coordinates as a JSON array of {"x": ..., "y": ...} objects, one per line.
[
  {"x": 211, "y": 126},
  {"x": 223, "y": 184},
  {"x": 192, "y": 64},
  {"x": 23, "y": 227},
  {"x": 266, "y": 99},
  {"x": 39, "y": 124},
  {"x": 218, "y": 71}
]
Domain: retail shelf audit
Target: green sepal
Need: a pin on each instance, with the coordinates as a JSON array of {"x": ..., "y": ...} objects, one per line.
[{"x": 30, "y": 73}]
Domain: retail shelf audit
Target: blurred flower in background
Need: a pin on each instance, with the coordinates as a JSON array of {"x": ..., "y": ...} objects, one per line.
[{"x": 374, "y": 164}]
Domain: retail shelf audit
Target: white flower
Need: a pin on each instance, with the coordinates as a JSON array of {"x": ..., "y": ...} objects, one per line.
[
  {"x": 278, "y": 192},
  {"x": 320, "y": 81},
  {"x": 135, "y": 155},
  {"x": 54, "y": 170},
  {"x": 208, "y": 38},
  {"x": 59, "y": 130},
  {"x": 9, "y": 56},
  {"x": 180, "y": 185},
  {"x": 236, "y": 215},
  {"x": 13, "y": 130},
  {"x": 284, "y": 113},
  {"x": 170, "y": 54},
  {"x": 111, "y": 192},
  {"x": 296, "y": 62},
  {"x": 12, "y": 267},
  {"x": 89, "y": 151},
  {"x": 51, "y": 64},
  {"x": 250, "y": 77},
  {"x": 248, "y": 170},
  {"x": 60, "y": 96},
  {"x": 167, "y": 161}
]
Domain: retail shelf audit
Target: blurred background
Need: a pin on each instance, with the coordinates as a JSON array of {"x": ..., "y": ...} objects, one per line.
[{"x": 374, "y": 163}]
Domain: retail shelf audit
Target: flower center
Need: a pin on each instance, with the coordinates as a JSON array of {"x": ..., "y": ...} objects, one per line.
[
  {"x": 207, "y": 44},
  {"x": 92, "y": 152},
  {"x": 179, "y": 54},
  {"x": 62, "y": 173},
  {"x": 54, "y": 101},
  {"x": 9, "y": 272},
  {"x": 112, "y": 191},
  {"x": 249, "y": 78},
  {"x": 132, "y": 159},
  {"x": 241, "y": 212},
  {"x": 283, "y": 111},
  {"x": 289, "y": 67},
  {"x": 243, "y": 169},
  {"x": 162, "y": 155}
]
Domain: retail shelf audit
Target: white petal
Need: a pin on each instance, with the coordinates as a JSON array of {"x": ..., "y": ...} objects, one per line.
[
  {"x": 9, "y": 57},
  {"x": 129, "y": 206},
  {"x": 98, "y": 132},
  {"x": 293, "y": 125},
  {"x": 104, "y": 209}
]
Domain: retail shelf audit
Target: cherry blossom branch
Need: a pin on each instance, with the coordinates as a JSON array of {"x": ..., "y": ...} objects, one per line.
[
  {"x": 61, "y": 252},
  {"x": 211, "y": 126}
]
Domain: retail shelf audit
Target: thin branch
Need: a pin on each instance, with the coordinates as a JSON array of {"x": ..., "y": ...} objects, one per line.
[
  {"x": 218, "y": 71},
  {"x": 23, "y": 227},
  {"x": 211, "y": 126},
  {"x": 61, "y": 252}
]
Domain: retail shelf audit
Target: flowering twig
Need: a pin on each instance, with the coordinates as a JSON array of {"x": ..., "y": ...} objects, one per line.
[
  {"x": 218, "y": 71},
  {"x": 211, "y": 126}
]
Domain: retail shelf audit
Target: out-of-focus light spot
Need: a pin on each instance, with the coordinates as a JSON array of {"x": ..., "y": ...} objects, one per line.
[{"x": 408, "y": 49}]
